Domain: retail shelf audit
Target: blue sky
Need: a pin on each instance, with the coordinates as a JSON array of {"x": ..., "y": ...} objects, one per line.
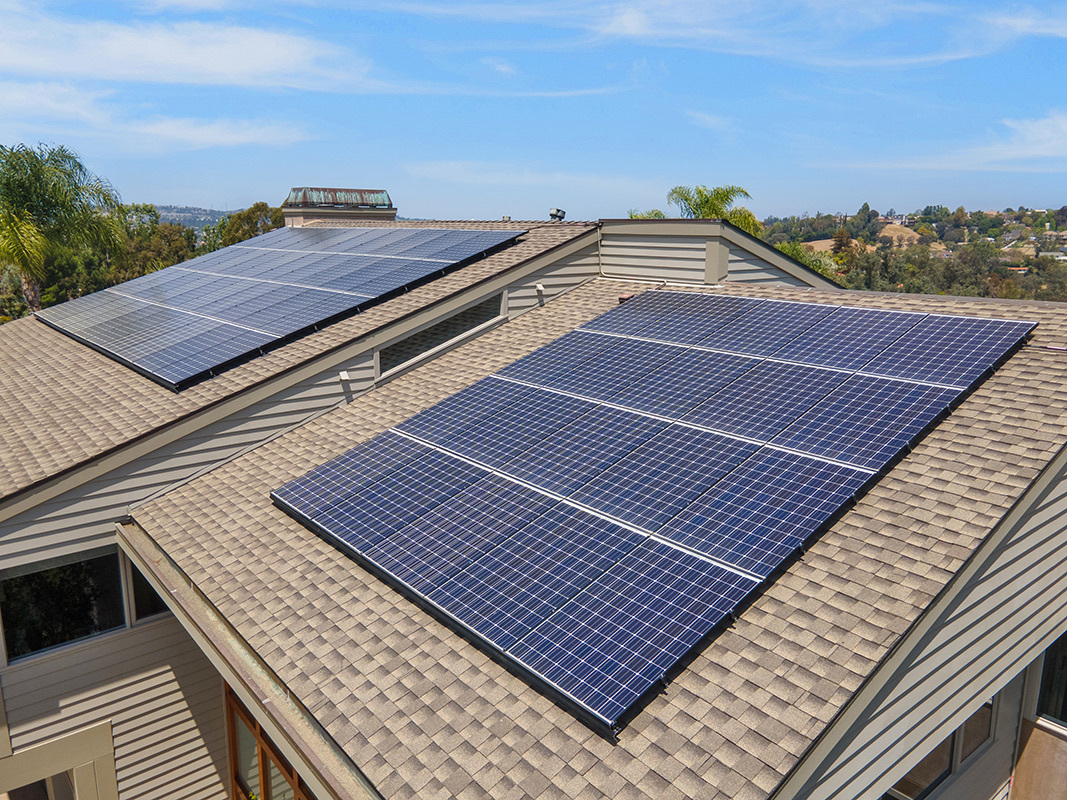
[{"x": 480, "y": 109}]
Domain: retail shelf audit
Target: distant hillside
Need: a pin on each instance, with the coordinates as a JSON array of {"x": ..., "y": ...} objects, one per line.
[{"x": 192, "y": 217}]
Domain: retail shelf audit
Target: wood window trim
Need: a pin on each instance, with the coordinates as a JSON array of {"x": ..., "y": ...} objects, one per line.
[{"x": 266, "y": 754}]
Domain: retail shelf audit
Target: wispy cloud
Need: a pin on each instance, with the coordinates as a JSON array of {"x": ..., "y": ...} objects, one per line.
[
  {"x": 500, "y": 65},
  {"x": 1023, "y": 145},
  {"x": 819, "y": 33},
  {"x": 191, "y": 52},
  {"x": 44, "y": 108},
  {"x": 711, "y": 121}
]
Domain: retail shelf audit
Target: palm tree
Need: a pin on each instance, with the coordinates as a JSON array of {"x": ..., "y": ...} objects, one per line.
[
  {"x": 48, "y": 199},
  {"x": 700, "y": 202}
]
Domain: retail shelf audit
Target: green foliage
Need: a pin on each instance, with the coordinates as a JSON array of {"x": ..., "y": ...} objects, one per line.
[
  {"x": 241, "y": 225},
  {"x": 50, "y": 201},
  {"x": 822, "y": 263},
  {"x": 700, "y": 202}
]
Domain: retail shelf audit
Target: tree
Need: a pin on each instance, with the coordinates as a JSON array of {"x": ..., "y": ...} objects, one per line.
[
  {"x": 700, "y": 202},
  {"x": 49, "y": 201}
]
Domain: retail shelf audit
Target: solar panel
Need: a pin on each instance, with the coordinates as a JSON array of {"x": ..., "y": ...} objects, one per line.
[
  {"x": 617, "y": 639},
  {"x": 682, "y": 317},
  {"x": 867, "y": 421},
  {"x": 534, "y": 573},
  {"x": 766, "y": 328},
  {"x": 661, "y": 477},
  {"x": 258, "y": 294},
  {"x": 593, "y": 522},
  {"x": 953, "y": 351},
  {"x": 848, "y": 338},
  {"x": 766, "y": 399},
  {"x": 757, "y": 515}
]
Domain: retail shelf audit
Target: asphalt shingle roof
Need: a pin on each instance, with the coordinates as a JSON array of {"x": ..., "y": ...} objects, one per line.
[
  {"x": 426, "y": 714},
  {"x": 63, "y": 404}
]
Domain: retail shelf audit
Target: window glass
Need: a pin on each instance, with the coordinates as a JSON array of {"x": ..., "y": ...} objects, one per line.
[
  {"x": 49, "y": 604},
  {"x": 247, "y": 761},
  {"x": 1053, "y": 699},
  {"x": 929, "y": 772},
  {"x": 146, "y": 601},
  {"x": 280, "y": 788},
  {"x": 977, "y": 730}
]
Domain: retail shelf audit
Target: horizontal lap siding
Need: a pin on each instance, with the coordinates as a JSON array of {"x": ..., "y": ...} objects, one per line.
[
  {"x": 677, "y": 259},
  {"x": 745, "y": 267},
  {"x": 85, "y": 516},
  {"x": 556, "y": 279},
  {"x": 1010, "y": 610},
  {"x": 163, "y": 697}
]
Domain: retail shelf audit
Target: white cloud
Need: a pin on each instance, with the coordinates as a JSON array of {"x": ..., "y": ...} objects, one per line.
[
  {"x": 198, "y": 134},
  {"x": 711, "y": 121},
  {"x": 500, "y": 65},
  {"x": 44, "y": 109},
  {"x": 1026, "y": 145},
  {"x": 206, "y": 53}
]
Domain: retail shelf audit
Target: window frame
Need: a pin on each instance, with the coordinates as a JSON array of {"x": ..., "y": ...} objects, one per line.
[
  {"x": 957, "y": 763},
  {"x": 266, "y": 752}
]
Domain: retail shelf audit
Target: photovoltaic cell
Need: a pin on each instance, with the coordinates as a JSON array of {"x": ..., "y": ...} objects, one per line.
[
  {"x": 867, "y": 421},
  {"x": 954, "y": 351},
  {"x": 685, "y": 382},
  {"x": 756, "y": 516},
  {"x": 682, "y": 317},
  {"x": 618, "y": 638},
  {"x": 470, "y": 407},
  {"x": 661, "y": 477},
  {"x": 766, "y": 327},
  {"x": 479, "y": 518},
  {"x": 265, "y": 291},
  {"x": 766, "y": 399},
  {"x": 532, "y": 574},
  {"x": 594, "y": 545},
  {"x": 848, "y": 338},
  {"x": 583, "y": 449}
]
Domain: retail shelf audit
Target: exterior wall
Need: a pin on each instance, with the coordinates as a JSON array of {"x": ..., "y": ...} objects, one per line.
[
  {"x": 161, "y": 695},
  {"x": 1005, "y": 608},
  {"x": 988, "y": 775},
  {"x": 695, "y": 252},
  {"x": 556, "y": 279},
  {"x": 747, "y": 267},
  {"x": 653, "y": 257}
]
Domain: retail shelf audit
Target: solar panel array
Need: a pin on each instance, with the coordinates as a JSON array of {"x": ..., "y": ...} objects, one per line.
[
  {"x": 194, "y": 319},
  {"x": 595, "y": 509}
]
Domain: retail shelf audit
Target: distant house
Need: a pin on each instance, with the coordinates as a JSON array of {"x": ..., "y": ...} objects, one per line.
[{"x": 915, "y": 648}]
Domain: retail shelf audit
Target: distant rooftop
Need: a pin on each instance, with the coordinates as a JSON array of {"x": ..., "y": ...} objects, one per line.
[{"x": 314, "y": 197}]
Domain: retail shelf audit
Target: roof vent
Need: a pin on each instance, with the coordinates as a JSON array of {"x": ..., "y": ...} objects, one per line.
[{"x": 557, "y": 214}]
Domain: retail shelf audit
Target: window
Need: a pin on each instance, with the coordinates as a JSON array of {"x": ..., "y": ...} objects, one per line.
[
  {"x": 948, "y": 757},
  {"x": 395, "y": 355},
  {"x": 259, "y": 772},
  {"x": 62, "y": 600},
  {"x": 146, "y": 602},
  {"x": 1052, "y": 702}
]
